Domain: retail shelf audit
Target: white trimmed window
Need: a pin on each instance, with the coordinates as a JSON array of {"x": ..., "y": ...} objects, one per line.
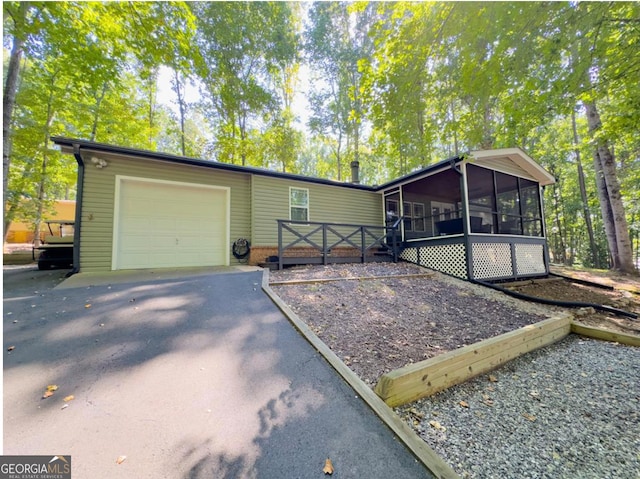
[{"x": 298, "y": 204}]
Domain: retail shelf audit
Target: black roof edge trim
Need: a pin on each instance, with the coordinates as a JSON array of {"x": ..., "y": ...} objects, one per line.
[
  {"x": 449, "y": 162},
  {"x": 123, "y": 150},
  {"x": 106, "y": 148}
]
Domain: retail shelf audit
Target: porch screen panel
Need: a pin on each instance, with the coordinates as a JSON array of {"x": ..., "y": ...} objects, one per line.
[
  {"x": 530, "y": 205},
  {"x": 508, "y": 204},
  {"x": 482, "y": 201},
  {"x": 503, "y": 204},
  {"x": 432, "y": 206}
]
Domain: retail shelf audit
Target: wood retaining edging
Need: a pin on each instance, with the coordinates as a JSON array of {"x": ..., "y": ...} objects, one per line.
[
  {"x": 438, "y": 467},
  {"x": 605, "y": 334},
  {"x": 425, "y": 378},
  {"x": 350, "y": 278}
]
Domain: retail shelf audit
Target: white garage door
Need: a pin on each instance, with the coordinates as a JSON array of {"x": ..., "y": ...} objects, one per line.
[{"x": 167, "y": 224}]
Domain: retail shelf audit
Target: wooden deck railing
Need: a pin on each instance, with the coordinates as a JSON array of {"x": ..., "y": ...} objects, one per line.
[{"x": 322, "y": 238}]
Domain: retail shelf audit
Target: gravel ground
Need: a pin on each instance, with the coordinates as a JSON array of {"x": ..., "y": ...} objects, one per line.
[{"x": 570, "y": 410}]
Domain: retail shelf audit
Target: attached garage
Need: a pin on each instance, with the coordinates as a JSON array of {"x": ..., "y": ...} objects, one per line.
[{"x": 160, "y": 224}]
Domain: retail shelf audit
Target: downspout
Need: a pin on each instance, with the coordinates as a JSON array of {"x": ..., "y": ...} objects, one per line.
[{"x": 78, "y": 218}]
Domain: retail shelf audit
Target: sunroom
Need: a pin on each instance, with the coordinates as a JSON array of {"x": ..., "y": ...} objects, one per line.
[{"x": 478, "y": 216}]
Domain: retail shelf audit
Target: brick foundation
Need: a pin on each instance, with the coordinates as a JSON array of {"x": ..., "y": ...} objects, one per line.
[{"x": 259, "y": 254}]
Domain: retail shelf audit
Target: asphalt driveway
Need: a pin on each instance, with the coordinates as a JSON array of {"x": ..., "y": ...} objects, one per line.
[{"x": 188, "y": 377}]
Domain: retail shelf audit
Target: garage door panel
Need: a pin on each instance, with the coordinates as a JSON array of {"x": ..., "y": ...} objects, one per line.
[
  {"x": 170, "y": 225},
  {"x": 163, "y": 224},
  {"x": 162, "y": 243},
  {"x": 193, "y": 224}
]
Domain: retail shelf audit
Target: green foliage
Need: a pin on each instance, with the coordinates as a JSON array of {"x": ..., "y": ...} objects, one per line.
[
  {"x": 338, "y": 47},
  {"x": 242, "y": 47}
]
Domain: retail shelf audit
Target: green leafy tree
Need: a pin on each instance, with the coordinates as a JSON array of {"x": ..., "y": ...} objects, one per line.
[
  {"x": 52, "y": 36},
  {"x": 241, "y": 45},
  {"x": 337, "y": 44}
]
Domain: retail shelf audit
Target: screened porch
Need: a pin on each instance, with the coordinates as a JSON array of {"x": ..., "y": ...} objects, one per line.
[{"x": 478, "y": 217}]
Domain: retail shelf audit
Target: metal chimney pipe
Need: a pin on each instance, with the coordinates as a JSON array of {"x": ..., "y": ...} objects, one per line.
[{"x": 355, "y": 172}]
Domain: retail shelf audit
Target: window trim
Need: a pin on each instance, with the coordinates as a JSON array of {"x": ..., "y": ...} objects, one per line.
[
  {"x": 409, "y": 216},
  {"x": 291, "y": 205}
]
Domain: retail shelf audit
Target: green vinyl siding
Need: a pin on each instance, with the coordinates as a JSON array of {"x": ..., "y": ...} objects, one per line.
[
  {"x": 327, "y": 203},
  {"x": 98, "y": 202}
]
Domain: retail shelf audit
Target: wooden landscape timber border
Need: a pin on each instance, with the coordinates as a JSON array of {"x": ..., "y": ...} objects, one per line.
[
  {"x": 428, "y": 377},
  {"x": 438, "y": 467},
  {"x": 605, "y": 334},
  {"x": 350, "y": 278}
]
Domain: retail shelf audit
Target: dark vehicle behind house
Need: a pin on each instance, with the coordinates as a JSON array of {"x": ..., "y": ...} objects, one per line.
[{"x": 56, "y": 248}]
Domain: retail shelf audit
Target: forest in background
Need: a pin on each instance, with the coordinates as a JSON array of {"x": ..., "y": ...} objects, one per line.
[{"x": 394, "y": 85}]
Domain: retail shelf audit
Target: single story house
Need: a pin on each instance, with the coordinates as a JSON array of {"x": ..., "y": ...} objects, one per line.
[{"x": 475, "y": 216}]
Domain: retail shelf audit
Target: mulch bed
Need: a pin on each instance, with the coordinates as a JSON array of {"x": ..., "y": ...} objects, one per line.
[
  {"x": 565, "y": 290},
  {"x": 378, "y": 325}
]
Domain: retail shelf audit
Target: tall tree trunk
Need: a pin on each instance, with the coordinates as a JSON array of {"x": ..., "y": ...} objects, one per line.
[
  {"x": 153, "y": 79},
  {"x": 456, "y": 146},
  {"x": 177, "y": 87},
  {"x": 560, "y": 245},
  {"x": 583, "y": 195},
  {"x": 338, "y": 154},
  {"x": 242, "y": 123},
  {"x": 43, "y": 166},
  {"x": 619, "y": 239},
  {"x": 8, "y": 103},
  {"x": 607, "y": 214},
  {"x": 96, "y": 114}
]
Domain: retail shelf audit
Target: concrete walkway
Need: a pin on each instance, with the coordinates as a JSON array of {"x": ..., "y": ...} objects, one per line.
[{"x": 188, "y": 376}]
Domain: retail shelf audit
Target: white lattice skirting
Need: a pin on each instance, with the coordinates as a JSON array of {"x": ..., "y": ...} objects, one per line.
[
  {"x": 449, "y": 258},
  {"x": 530, "y": 259},
  {"x": 491, "y": 260}
]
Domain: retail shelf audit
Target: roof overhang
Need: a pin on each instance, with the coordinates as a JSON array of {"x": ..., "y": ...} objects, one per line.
[{"x": 518, "y": 157}]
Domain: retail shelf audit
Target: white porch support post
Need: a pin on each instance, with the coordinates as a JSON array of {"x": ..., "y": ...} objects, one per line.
[{"x": 468, "y": 251}]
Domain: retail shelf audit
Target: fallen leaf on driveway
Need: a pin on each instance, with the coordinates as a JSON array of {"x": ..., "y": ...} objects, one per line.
[
  {"x": 87, "y": 305},
  {"x": 47, "y": 394},
  {"x": 328, "y": 467},
  {"x": 529, "y": 417},
  {"x": 11, "y": 348},
  {"x": 52, "y": 387},
  {"x": 121, "y": 459},
  {"x": 69, "y": 398},
  {"x": 464, "y": 403},
  {"x": 492, "y": 378}
]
